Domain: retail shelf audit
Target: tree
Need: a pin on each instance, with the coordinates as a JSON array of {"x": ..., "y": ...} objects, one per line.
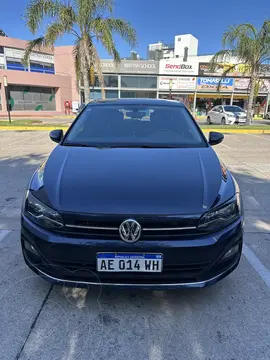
[
  {"x": 2, "y": 33},
  {"x": 88, "y": 21},
  {"x": 249, "y": 46}
]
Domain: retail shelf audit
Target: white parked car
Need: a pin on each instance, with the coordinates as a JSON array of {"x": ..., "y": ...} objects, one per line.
[
  {"x": 226, "y": 115},
  {"x": 267, "y": 116}
]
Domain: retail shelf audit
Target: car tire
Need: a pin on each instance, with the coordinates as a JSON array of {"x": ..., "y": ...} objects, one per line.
[
  {"x": 223, "y": 121},
  {"x": 208, "y": 120},
  {"x": 267, "y": 117}
]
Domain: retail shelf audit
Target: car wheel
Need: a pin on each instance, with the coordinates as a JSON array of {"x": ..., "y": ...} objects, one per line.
[
  {"x": 223, "y": 121},
  {"x": 267, "y": 117},
  {"x": 209, "y": 120}
]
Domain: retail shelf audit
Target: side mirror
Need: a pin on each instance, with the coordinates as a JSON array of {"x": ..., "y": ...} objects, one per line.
[
  {"x": 56, "y": 135},
  {"x": 215, "y": 138}
]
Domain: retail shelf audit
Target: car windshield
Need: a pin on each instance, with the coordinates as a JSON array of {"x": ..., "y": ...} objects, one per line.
[
  {"x": 233, "y": 109},
  {"x": 135, "y": 126}
]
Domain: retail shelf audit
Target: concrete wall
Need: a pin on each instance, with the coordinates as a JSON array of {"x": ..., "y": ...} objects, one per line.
[{"x": 64, "y": 65}]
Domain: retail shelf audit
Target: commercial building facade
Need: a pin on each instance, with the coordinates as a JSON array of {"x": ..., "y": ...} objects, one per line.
[
  {"x": 49, "y": 81},
  {"x": 41, "y": 86}
]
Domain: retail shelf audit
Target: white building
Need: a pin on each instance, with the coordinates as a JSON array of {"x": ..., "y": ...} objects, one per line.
[{"x": 185, "y": 46}]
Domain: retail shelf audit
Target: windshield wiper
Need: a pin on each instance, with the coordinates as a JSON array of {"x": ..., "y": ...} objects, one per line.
[
  {"x": 141, "y": 146},
  {"x": 104, "y": 146},
  {"x": 77, "y": 144}
]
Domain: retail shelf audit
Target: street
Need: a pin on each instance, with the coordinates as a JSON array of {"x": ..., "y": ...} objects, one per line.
[{"x": 228, "y": 321}]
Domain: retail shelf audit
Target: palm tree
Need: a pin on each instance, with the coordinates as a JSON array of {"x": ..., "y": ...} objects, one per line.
[
  {"x": 89, "y": 21},
  {"x": 2, "y": 33},
  {"x": 249, "y": 46}
]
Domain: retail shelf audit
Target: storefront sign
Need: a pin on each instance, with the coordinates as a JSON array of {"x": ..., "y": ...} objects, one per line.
[
  {"x": 130, "y": 66},
  {"x": 45, "y": 58},
  {"x": 35, "y": 56},
  {"x": 14, "y": 53},
  {"x": 178, "y": 83},
  {"x": 176, "y": 67},
  {"x": 243, "y": 85},
  {"x": 211, "y": 84},
  {"x": 265, "y": 70},
  {"x": 239, "y": 70}
]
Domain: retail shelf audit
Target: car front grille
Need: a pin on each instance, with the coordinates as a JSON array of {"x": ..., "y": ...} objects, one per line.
[{"x": 160, "y": 227}]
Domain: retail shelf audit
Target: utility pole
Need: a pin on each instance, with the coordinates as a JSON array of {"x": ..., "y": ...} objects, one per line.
[
  {"x": 170, "y": 87},
  {"x": 7, "y": 97}
]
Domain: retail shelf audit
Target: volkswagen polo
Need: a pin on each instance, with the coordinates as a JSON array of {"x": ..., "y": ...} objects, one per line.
[{"x": 133, "y": 195}]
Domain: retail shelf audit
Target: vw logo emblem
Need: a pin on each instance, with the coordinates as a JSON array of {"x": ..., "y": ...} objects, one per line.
[{"x": 130, "y": 230}]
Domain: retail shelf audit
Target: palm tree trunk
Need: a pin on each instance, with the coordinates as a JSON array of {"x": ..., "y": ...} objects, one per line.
[
  {"x": 250, "y": 99},
  {"x": 86, "y": 84},
  {"x": 98, "y": 69}
]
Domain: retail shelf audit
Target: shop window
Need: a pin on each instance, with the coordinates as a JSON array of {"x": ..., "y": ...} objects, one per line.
[
  {"x": 109, "y": 94},
  {"x": 141, "y": 82},
  {"x": 109, "y": 81},
  {"x": 138, "y": 94}
]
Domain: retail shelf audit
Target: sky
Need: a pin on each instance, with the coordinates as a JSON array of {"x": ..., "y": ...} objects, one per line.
[{"x": 158, "y": 20}]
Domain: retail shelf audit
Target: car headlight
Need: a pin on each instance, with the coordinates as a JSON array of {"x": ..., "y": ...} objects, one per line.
[
  {"x": 41, "y": 214},
  {"x": 222, "y": 216}
]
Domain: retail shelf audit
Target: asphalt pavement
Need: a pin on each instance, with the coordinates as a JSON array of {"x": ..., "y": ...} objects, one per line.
[{"x": 228, "y": 321}]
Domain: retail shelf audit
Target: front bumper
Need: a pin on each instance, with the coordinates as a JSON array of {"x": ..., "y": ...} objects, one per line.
[
  {"x": 236, "y": 120},
  {"x": 187, "y": 262}
]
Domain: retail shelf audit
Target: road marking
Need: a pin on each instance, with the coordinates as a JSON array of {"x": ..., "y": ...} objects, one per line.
[
  {"x": 261, "y": 270},
  {"x": 26, "y": 139},
  {"x": 3, "y": 234},
  {"x": 260, "y": 137},
  {"x": 226, "y": 146},
  {"x": 253, "y": 201}
]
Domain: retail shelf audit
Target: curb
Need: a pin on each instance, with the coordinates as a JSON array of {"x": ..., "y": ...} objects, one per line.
[
  {"x": 238, "y": 131},
  {"x": 32, "y": 128},
  {"x": 64, "y": 128}
]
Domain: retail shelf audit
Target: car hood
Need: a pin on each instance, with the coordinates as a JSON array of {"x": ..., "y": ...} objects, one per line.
[
  {"x": 240, "y": 113},
  {"x": 132, "y": 180}
]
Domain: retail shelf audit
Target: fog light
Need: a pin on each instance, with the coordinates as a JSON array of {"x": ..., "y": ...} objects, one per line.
[
  {"x": 28, "y": 246},
  {"x": 231, "y": 252}
]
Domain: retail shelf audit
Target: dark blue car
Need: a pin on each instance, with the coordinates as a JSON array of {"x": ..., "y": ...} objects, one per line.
[{"x": 133, "y": 195}]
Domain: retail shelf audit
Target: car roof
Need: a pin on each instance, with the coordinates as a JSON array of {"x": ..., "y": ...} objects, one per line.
[{"x": 141, "y": 101}]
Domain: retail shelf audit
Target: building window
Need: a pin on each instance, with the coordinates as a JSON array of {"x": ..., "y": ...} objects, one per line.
[
  {"x": 109, "y": 81},
  {"x": 1, "y": 49},
  {"x": 44, "y": 68},
  {"x": 177, "y": 56},
  {"x": 138, "y": 94},
  {"x": 140, "y": 82},
  {"x": 179, "y": 39},
  {"x": 15, "y": 64},
  {"x": 32, "y": 98},
  {"x": 109, "y": 94}
]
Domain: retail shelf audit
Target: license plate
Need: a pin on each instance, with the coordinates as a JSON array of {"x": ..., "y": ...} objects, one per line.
[{"x": 129, "y": 262}]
